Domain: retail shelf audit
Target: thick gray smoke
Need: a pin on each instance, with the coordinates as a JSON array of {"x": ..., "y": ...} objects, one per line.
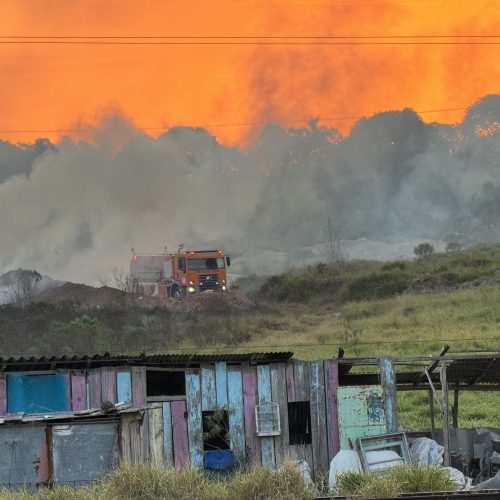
[{"x": 74, "y": 210}]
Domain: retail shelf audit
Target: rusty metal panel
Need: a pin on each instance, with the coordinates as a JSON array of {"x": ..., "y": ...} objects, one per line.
[
  {"x": 23, "y": 455},
  {"x": 83, "y": 452},
  {"x": 361, "y": 413}
]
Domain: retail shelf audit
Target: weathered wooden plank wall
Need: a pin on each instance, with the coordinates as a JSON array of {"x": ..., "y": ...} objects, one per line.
[
  {"x": 264, "y": 392},
  {"x": 67, "y": 386},
  {"x": 249, "y": 378},
  {"x": 235, "y": 407},
  {"x": 195, "y": 426},
  {"x": 94, "y": 388},
  {"x": 139, "y": 398},
  {"x": 302, "y": 393},
  {"x": 279, "y": 395},
  {"x": 388, "y": 382},
  {"x": 180, "y": 434},
  {"x": 156, "y": 433},
  {"x": 208, "y": 390},
  {"x": 78, "y": 391},
  {"x": 319, "y": 432},
  {"x": 123, "y": 385},
  {"x": 108, "y": 384},
  {"x": 3, "y": 394},
  {"x": 221, "y": 383},
  {"x": 332, "y": 416},
  {"x": 168, "y": 445}
]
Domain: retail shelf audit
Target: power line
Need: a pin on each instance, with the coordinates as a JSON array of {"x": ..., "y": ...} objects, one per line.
[
  {"x": 245, "y": 37},
  {"x": 214, "y": 125},
  {"x": 271, "y": 346},
  {"x": 240, "y": 43}
]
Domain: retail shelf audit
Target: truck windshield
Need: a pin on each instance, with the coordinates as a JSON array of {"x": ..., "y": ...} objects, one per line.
[{"x": 203, "y": 264}]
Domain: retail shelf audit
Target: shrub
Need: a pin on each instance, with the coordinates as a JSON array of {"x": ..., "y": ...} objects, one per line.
[{"x": 377, "y": 286}]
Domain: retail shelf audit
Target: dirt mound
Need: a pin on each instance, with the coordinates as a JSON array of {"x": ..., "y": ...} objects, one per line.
[
  {"x": 86, "y": 297},
  {"x": 214, "y": 302},
  {"x": 484, "y": 281}
]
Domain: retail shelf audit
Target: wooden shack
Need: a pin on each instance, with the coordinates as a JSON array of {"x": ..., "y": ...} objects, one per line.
[{"x": 274, "y": 407}]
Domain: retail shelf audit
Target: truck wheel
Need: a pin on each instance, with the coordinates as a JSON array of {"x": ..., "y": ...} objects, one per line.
[{"x": 176, "y": 293}]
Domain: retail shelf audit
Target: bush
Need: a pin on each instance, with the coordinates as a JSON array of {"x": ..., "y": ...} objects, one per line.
[{"x": 377, "y": 286}]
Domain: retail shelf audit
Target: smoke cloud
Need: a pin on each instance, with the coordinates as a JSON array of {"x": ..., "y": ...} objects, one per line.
[{"x": 74, "y": 210}]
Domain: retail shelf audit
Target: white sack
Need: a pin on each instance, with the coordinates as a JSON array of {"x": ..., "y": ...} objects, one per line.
[
  {"x": 343, "y": 461},
  {"x": 462, "y": 482},
  {"x": 425, "y": 451}
]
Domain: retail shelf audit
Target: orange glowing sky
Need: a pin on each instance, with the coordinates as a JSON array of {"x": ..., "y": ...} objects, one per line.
[{"x": 53, "y": 87}]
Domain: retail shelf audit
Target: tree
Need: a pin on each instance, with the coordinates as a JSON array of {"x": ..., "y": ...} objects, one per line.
[
  {"x": 124, "y": 282},
  {"x": 23, "y": 287},
  {"x": 453, "y": 246},
  {"x": 423, "y": 251}
]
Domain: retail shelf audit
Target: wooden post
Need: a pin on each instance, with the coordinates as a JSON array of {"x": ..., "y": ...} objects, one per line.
[
  {"x": 431, "y": 407},
  {"x": 446, "y": 416},
  {"x": 388, "y": 381},
  {"x": 455, "y": 407}
]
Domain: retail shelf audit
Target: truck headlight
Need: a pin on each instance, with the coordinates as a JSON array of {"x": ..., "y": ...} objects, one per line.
[
  {"x": 224, "y": 287},
  {"x": 191, "y": 289}
]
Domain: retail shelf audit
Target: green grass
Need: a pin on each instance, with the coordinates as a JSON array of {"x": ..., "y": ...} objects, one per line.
[{"x": 397, "y": 480}]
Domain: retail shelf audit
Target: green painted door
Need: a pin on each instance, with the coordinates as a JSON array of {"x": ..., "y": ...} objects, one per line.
[{"x": 361, "y": 413}]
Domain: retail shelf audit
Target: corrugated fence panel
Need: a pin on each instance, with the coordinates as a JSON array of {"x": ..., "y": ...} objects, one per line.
[
  {"x": 180, "y": 433},
  {"x": 168, "y": 446},
  {"x": 124, "y": 386},
  {"x": 249, "y": 376},
  {"x": 264, "y": 391},
  {"x": 94, "y": 383},
  {"x": 195, "y": 427},
  {"x": 332, "y": 416},
  {"x": 156, "y": 433},
  {"x": 78, "y": 391},
  {"x": 208, "y": 391},
  {"x": 279, "y": 395},
  {"x": 318, "y": 418},
  {"x": 236, "y": 419},
  {"x": 108, "y": 384},
  {"x": 221, "y": 382},
  {"x": 3, "y": 394}
]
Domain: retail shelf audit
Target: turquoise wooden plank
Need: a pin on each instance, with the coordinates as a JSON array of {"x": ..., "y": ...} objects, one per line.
[
  {"x": 221, "y": 383},
  {"x": 235, "y": 403},
  {"x": 195, "y": 426},
  {"x": 208, "y": 391},
  {"x": 124, "y": 386},
  {"x": 318, "y": 418},
  {"x": 168, "y": 446},
  {"x": 264, "y": 393}
]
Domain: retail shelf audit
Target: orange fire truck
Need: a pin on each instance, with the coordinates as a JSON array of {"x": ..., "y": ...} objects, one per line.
[{"x": 179, "y": 274}]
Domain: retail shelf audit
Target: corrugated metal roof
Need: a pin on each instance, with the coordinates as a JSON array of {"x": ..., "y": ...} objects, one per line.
[{"x": 40, "y": 363}]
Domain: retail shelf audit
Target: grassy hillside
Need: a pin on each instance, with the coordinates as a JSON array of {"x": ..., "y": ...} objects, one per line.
[{"x": 368, "y": 308}]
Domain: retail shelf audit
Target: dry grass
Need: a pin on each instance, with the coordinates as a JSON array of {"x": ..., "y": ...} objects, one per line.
[{"x": 150, "y": 482}]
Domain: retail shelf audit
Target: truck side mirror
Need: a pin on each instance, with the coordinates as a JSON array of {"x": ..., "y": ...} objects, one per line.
[{"x": 228, "y": 261}]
